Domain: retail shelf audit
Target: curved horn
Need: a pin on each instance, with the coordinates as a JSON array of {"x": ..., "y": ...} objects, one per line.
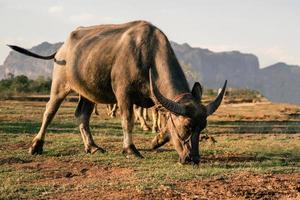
[
  {"x": 213, "y": 106},
  {"x": 170, "y": 105}
]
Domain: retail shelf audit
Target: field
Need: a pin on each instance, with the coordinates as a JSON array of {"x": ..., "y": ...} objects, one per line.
[{"x": 257, "y": 156}]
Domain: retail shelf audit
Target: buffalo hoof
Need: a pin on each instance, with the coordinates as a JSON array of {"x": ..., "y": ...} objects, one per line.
[
  {"x": 155, "y": 130},
  {"x": 94, "y": 148},
  {"x": 159, "y": 140},
  {"x": 132, "y": 151},
  {"x": 37, "y": 147},
  {"x": 190, "y": 160},
  {"x": 146, "y": 128},
  {"x": 195, "y": 161}
]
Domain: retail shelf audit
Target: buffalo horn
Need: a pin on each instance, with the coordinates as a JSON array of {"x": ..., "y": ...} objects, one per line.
[
  {"x": 168, "y": 104},
  {"x": 213, "y": 106}
]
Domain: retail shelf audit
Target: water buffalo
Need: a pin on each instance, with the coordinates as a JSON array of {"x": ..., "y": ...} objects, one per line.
[
  {"x": 111, "y": 110},
  {"x": 156, "y": 117},
  {"x": 130, "y": 63}
]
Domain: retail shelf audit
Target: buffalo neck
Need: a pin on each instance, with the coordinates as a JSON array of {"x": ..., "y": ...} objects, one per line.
[{"x": 170, "y": 79}]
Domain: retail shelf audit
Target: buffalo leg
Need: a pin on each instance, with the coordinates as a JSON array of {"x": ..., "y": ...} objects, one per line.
[
  {"x": 59, "y": 91},
  {"x": 160, "y": 139},
  {"x": 155, "y": 116},
  {"x": 126, "y": 110},
  {"x": 96, "y": 110},
  {"x": 139, "y": 115},
  {"x": 83, "y": 113},
  {"x": 145, "y": 113},
  {"x": 113, "y": 112}
]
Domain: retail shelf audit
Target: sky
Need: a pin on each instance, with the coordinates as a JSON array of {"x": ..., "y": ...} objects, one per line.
[{"x": 269, "y": 29}]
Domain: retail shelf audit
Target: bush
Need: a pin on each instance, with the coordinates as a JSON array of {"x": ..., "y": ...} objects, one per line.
[{"x": 19, "y": 85}]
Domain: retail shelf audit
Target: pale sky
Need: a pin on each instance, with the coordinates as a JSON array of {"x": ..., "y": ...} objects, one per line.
[{"x": 269, "y": 29}]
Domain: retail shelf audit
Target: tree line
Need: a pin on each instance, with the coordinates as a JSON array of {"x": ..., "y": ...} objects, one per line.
[{"x": 21, "y": 85}]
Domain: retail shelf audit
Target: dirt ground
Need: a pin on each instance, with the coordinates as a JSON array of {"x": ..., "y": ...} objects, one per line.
[
  {"x": 256, "y": 157},
  {"x": 242, "y": 185}
]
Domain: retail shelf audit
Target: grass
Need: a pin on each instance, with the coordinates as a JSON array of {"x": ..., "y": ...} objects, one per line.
[{"x": 258, "y": 147}]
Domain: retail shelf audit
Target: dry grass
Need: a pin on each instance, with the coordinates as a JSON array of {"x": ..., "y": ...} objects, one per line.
[{"x": 256, "y": 139}]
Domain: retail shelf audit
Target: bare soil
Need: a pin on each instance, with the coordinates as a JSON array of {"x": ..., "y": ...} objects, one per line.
[{"x": 73, "y": 174}]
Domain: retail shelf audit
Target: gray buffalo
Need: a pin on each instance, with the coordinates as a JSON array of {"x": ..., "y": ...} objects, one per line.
[{"x": 131, "y": 63}]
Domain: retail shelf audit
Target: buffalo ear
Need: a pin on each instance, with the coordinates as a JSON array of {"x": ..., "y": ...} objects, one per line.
[{"x": 197, "y": 91}]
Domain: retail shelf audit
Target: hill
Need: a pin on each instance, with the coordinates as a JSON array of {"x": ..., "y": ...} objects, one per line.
[
  {"x": 213, "y": 68},
  {"x": 2, "y": 72},
  {"x": 281, "y": 83},
  {"x": 278, "y": 82}
]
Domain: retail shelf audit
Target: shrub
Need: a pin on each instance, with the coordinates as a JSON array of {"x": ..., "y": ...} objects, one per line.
[{"x": 18, "y": 85}]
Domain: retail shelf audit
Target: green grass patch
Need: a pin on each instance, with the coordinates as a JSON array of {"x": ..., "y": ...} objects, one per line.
[{"x": 274, "y": 148}]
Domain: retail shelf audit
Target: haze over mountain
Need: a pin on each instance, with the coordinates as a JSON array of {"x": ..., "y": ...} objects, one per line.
[
  {"x": 213, "y": 68},
  {"x": 279, "y": 82}
]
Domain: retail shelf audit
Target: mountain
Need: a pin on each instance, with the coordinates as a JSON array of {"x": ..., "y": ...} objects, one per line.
[
  {"x": 18, "y": 64},
  {"x": 213, "y": 68},
  {"x": 2, "y": 72},
  {"x": 279, "y": 82}
]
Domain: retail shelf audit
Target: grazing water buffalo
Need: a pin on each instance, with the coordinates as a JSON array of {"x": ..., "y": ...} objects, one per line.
[
  {"x": 111, "y": 110},
  {"x": 131, "y": 63},
  {"x": 141, "y": 115}
]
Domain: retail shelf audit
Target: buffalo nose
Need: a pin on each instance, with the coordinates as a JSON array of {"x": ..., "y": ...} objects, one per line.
[
  {"x": 195, "y": 159},
  {"x": 185, "y": 160}
]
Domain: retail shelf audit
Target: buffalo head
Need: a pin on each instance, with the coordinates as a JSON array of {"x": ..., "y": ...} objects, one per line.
[{"x": 187, "y": 117}]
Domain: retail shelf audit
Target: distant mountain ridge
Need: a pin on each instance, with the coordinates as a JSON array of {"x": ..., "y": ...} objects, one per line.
[
  {"x": 240, "y": 69},
  {"x": 279, "y": 82}
]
